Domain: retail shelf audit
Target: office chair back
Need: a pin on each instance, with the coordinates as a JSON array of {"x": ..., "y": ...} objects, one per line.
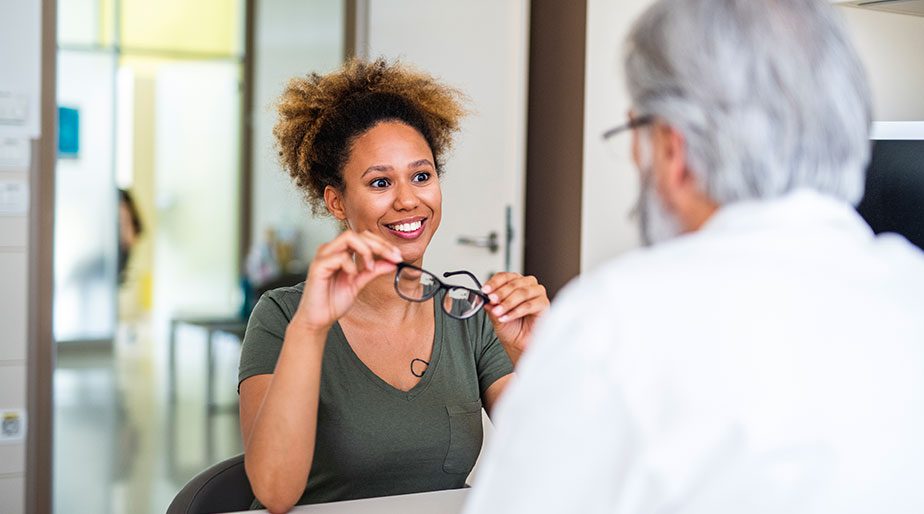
[{"x": 221, "y": 488}]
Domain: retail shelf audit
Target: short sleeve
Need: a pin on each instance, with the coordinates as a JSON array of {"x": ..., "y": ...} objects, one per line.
[
  {"x": 491, "y": 359},
  {"x": 263, "y": 339}
]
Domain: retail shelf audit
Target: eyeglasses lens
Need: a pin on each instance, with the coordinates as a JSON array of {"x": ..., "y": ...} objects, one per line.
[
  {"x": 416, "y": 285},
  {"x": 461, "y": 302}
]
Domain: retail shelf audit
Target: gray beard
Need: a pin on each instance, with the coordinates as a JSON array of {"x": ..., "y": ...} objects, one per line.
[{"x": 656, "y": 224}]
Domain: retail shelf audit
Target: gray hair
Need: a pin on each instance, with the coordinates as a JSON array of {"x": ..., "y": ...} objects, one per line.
[{"x": 769, "y": 94}]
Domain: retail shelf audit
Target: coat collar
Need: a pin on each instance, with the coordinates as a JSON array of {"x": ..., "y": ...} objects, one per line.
[{"x": 801, "y": 209}]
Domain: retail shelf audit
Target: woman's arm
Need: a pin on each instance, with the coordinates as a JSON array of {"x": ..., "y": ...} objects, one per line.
[
  {"x": 517, "y": 302},
  {"x": 279, "y": 412},
  {"x": 279, "y": 415},
  {"x": 494, "y": 391}
]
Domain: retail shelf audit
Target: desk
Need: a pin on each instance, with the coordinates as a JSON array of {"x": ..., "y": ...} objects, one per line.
[
  {"x": 211, "y": 324},
  {"x": 437, "y": 502}
]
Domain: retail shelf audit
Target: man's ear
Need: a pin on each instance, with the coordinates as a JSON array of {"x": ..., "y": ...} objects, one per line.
[
  {"x": 674, "y": 179},
  {"x": 334, "y": 201},
  {"x": 678, "y": 187}
]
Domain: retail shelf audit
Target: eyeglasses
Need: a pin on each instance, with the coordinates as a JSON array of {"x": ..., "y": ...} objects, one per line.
[
  {"x": 418, "y": 285},
  {"x": 633, "y": 123}
]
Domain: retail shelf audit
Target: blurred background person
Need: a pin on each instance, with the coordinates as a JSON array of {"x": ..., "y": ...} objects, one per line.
[{"x": 130, "y": 229}]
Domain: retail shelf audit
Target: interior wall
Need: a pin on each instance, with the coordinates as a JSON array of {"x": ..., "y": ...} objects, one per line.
[
  {"x": 890, "y": 47},
  {"x": 292, "y": 38},
  {"x": 20, "y": 260},
  {"x": 610, "y": 182}
]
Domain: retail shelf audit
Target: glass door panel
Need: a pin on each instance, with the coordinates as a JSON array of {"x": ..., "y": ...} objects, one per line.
[
  {"x": 196, "y": 156},
  {"x": 86, "y": 247}
]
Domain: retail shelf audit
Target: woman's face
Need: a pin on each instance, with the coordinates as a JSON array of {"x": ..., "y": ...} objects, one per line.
[{"x": 391, "y": 188}]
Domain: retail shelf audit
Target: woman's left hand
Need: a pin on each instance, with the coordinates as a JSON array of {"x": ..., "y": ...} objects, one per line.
[{"x": 517, "y": 302}]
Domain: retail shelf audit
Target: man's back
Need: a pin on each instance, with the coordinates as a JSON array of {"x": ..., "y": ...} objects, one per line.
[{"x": 770, "y": 362}]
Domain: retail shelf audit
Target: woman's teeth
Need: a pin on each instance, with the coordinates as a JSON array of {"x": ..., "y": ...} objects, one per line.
[{"x": 406, "y": 227}]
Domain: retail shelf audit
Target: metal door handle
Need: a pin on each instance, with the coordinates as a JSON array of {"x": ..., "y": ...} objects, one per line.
[{"x": 489, "y": 242}]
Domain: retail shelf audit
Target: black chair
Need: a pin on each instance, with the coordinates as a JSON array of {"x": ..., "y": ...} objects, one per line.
[{"x": 221, "y": 488}]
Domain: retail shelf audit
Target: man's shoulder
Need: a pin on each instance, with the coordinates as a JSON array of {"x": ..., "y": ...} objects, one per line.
[
  {"x": 611, "y": 289},
  {"x": 642, "y": 266},
  {"x": 900, "y": 252}
]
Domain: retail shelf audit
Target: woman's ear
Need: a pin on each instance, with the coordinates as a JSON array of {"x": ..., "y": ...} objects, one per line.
[{"x": 334, "y": 201}]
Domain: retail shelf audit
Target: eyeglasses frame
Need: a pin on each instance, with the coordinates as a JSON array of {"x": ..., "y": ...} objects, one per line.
[
  {"x": 443, "y": 285},
  {"x": 633, "y": 123}
]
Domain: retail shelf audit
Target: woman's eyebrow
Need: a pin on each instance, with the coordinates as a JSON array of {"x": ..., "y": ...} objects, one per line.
[
  {"x": 421, "y": 162},
  {"x": 380, "y": 168}
]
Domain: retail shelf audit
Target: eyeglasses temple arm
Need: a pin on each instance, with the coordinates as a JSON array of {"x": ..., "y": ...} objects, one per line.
[
  {"x": 463, "y": 272},
  {"x": 631, "y": 124}
]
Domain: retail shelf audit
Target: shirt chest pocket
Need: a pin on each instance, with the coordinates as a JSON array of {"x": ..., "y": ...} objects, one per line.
[{"x": 465, "y": 437}]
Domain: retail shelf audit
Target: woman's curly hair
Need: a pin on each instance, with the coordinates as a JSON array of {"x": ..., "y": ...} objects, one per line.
[{"x": 320, "y": 116}]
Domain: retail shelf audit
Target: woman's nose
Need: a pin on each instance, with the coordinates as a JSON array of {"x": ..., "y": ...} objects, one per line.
[{"x": 405, "y": 197}]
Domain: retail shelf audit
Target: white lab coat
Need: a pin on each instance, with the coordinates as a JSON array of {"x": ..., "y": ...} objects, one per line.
[{"x": 771, "y": 362}]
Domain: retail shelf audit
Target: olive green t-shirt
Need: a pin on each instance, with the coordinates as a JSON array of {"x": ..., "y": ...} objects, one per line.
[{"x": 376, "y": 440}]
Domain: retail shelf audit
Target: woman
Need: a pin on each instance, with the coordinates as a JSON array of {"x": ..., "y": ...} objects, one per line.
[{"x": 345, "y": 385}]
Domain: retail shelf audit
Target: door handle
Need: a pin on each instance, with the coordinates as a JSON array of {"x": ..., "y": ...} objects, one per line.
[{"x": 489, "y": 242}]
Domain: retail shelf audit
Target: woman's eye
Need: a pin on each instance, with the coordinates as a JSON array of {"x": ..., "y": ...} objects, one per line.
[
  {"x": 379, "y": 182},
  {"x": 423, "y": 176}
]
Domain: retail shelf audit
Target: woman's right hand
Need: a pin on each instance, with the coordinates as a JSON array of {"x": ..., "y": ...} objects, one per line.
[{"x": 335, "y": 278}]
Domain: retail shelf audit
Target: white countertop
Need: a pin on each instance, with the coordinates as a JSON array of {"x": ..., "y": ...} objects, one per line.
[{"x": 449, "y": 502}]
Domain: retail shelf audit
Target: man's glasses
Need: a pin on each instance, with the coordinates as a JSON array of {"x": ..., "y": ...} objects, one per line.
[
  {"x": 633, "y": 123},
  {"x": 417, "y": 285}
]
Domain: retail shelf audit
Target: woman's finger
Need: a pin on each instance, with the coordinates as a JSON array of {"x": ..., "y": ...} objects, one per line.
[
  {"x": 365, "y": 245},
  {"x": 498, "y": 280},
  {"x": 515, "y": 295},
  {"x": 381, "y": 268},
  {"x": 381, "y": 247},
  {"x": 328, "y": 266},
  {"x": 365, "y": 248},
  {"x": 500, "y": 294},
  {"x": 347, "y": 241},
  {"x": 348, "y": 266},
  {"x": 533, "y": 307}
]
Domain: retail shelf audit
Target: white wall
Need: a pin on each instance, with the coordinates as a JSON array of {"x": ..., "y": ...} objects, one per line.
[
  {"x": 610, "y": 180},
  {"x": 20, "y": 28},
  {"x": 293, "y": 38},
  {"x": 890, "y": 46}
]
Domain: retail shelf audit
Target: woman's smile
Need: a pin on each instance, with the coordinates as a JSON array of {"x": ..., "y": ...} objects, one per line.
[{"x": 408, "y": 228}]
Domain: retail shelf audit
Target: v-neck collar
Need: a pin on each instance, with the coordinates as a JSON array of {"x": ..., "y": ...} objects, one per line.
[{"x": 424, "y": 381}]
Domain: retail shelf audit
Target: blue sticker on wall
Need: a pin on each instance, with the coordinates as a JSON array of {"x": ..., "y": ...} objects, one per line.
[{"x": 68, "y": 132}]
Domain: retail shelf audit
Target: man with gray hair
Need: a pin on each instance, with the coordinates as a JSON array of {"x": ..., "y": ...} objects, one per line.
[{"x": 765, "y": 351}]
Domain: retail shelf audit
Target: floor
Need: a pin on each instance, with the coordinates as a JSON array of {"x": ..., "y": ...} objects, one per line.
[{"x": 119, "y": 446}]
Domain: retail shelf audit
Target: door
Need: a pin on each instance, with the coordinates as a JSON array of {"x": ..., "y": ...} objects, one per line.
[
  {"x": 197, "y": 180},
  {"x": 85, "y": 240},
  {"x": 479, "y": 47}
]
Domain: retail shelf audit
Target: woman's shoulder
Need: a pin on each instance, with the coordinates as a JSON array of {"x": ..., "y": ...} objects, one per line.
[
  {"x": 287, "y": 291},
  {"x": 281, "y": 299}
]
